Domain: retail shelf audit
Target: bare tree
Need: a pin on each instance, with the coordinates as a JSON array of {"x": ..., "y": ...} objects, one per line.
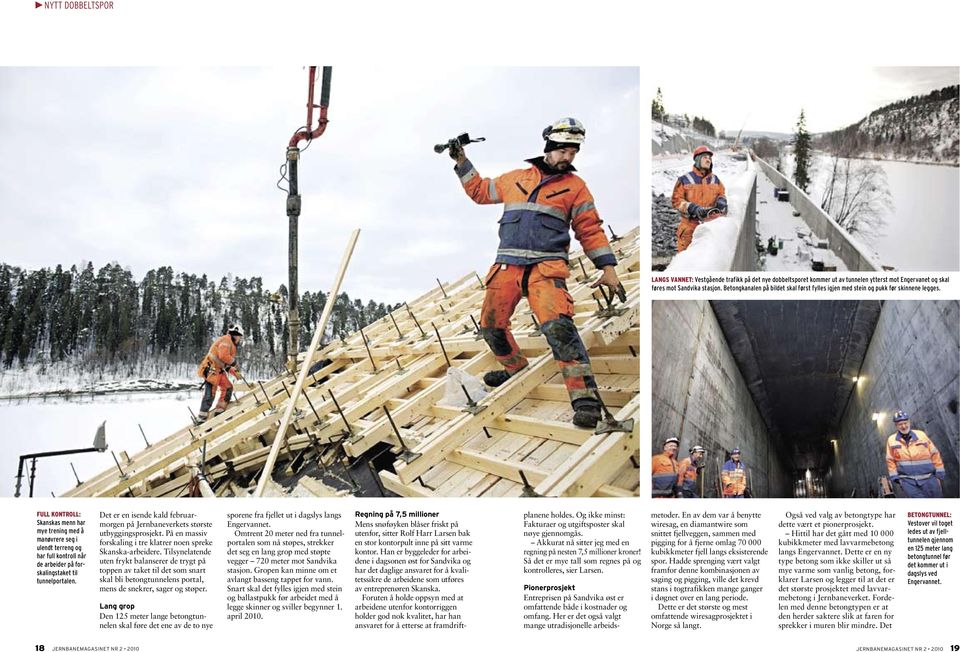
[{"x": 857, "y": 195}]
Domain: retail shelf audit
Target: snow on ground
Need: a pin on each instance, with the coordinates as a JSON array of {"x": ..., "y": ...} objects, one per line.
[
  {"x": 922, "y": 231},
  {"x": 75, "y": 378},
  {"x": 714, "y": 242},
  {"x": 36, "y": 426},
  {"x": 775, "y": 219}
]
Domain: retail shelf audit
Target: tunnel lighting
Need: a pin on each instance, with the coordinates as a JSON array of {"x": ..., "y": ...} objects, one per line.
[
  {"x": 877, "y": 416},
  {"x": 809, "y": 475},
  {"x": 856, "y": 379}
]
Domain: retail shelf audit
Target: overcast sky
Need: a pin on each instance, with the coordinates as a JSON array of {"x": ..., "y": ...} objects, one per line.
[
  {"x": 178, "y": 166},
  {"x": 740, "y": 94}
]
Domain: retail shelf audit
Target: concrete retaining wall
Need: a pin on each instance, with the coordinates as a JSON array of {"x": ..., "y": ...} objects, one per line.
[
  {"x": 821, "y": 224},
  {"x": 745, "y": 259},
  {"x": 912, "y": 363},
  {"x": 700, "y": 396}
]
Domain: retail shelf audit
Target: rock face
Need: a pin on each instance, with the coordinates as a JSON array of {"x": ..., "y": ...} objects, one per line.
[{"x": 663, "y": 237}]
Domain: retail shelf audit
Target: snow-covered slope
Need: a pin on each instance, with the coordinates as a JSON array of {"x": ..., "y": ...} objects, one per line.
[
  {"x": 922, "y": 128},
  {"x": 667, "y": 140}
]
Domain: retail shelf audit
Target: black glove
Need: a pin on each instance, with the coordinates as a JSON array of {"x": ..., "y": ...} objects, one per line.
[
  {"x": 721, "y": 204},
  {"x": 702, "y": 212},
  {"x": 456, "y": 149},
  {"x": 693, "y": 210}
]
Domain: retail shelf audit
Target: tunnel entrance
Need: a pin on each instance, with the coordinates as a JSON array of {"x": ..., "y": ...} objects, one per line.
[{"x": 806, "y": 389}]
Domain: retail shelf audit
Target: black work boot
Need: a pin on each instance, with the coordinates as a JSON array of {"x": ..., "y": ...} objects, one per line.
[
  {"x": 496, "y": 378},
  {"x": 586, "y": 416}
]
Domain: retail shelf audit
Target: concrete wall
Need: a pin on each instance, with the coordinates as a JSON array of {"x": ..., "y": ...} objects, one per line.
[
  {"x": 745, "y": 259},
  {"x": 700, "y": 396},
  {"x": 820, "y": 223},
  {"x": 912, "y": 363}
]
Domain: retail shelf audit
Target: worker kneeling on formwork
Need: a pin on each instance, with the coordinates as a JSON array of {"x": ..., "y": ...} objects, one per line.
[
  {"x": 541, "y": 204},
  {"x": 220, "y": 360}
]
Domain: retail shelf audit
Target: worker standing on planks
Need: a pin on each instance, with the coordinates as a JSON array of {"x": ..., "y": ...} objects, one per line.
[
  {"x": 541, "y": 204},
  {"x": 913, "y": 462},
  {"x": 733, "y": 476},
  {"x": 699, "y": 196},
  {"x": 688, "y": 471},
  {"x": 220, "y": 360},
  {"x": 666, "y": 475}
]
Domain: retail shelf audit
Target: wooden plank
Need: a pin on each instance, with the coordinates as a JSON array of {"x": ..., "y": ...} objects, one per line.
[
  {"x": 595, "y": 462},
  {"x": 498, "y": 402},
  {"x": 392, "y": 483},
  {"x": 558, "y": 392},
  {"x": 497, "y": 466}
]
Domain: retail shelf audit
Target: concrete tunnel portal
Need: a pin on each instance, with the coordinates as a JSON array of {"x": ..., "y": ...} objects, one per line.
[{"x": 806, "y": 389}]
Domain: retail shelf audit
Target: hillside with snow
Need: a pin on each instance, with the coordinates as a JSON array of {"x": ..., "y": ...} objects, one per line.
[
  {"x": 923, "y": 128},
  {"x": 667, "y": 139}
]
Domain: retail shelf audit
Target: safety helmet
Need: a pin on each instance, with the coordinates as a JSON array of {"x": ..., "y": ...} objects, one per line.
[
  {"x": 698, "y": 449},
  {"x": 566, "y": 130},
  {"x": 735, "y": 451},
  {"x": 703, "y": 149},
  {"x": 235, "y": 329},
  {"x": 672, "y": 440},
  {"x": 900, "y": 415}
]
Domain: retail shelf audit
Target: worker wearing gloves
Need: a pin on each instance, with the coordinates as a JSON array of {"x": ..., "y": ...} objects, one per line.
[
  {"x": 666, "y": 477},
  {"x": 733, "y": 476},
  {"x": 699, "y": 196},
  {"x": 541, "y": 204},
  {"x": 220, "y": 360},
  {"x": 688, "y": 471},
  {"x": 913, "y": 462}
]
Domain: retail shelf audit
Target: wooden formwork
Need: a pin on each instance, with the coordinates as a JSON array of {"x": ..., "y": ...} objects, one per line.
[{"x": 383, "y": 386}]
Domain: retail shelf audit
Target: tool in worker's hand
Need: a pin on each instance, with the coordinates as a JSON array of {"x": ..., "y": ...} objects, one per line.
[
  {"x": 453, "y": 143},
  {"x": 621, "y": 293}
]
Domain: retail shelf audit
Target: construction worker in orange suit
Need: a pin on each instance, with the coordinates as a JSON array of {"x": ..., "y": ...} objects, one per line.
[
  {"x": 541, "y": 204},
  {"x": 220, "y": 360},
  {"x": 733, "y": 476},
  {"x": 666, "y": 474},
  {"x": 689, "y": 469},
  {"x": 913, "y": 462},
  {"x": 699, "y": 196}
]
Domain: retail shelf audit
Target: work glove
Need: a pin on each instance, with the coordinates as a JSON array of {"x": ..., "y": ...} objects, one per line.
[
  {"x": 721, "y": 204},
  {"x": 693, "y": 210},
  {"x": 455, "y": 149}
]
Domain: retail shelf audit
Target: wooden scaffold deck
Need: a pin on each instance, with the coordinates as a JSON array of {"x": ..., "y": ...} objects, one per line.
[{"x": 382, "y": 389}]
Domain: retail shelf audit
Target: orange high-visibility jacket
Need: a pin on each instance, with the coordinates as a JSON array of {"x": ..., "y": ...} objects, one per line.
[
  {"x": 222, "y": 353},
  {"x": 913, "y": 457},
  {"x": 665, "y": 476},
  {"x": 688, "y": 474},
  {"x": 733, "y": 477},
  {"x": 701, "y": 190},
  {"x": 539, "y": 209}
]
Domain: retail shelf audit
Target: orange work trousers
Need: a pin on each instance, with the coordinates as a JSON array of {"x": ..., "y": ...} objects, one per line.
[{"x": 544, "y": 285}]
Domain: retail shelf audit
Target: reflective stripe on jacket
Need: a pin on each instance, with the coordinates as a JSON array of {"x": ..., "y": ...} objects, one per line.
[
  {"x": 665, "y": 476},
  {"x": 914, "y": 457},
  {"x": 733, "y": 477},
  {"x": 688, "y": 475},
  {"x": 701, "y": 190},
  {"x": 539, "y": 210}
]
